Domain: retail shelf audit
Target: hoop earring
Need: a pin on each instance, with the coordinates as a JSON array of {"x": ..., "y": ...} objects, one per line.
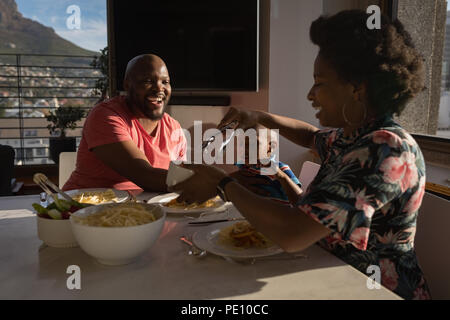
[{"x": 354, "y": 124}]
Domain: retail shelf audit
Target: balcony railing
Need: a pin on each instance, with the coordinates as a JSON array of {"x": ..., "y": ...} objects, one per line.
[{"x": 30, "y": 86}]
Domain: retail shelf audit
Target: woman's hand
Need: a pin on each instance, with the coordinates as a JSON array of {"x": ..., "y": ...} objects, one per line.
[
  {"x": 201, "y": 186},
  {"x": 245, "y": 118}
]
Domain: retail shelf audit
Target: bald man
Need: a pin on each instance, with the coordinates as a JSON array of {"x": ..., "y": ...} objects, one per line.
[{"x": 129, "y": 141}]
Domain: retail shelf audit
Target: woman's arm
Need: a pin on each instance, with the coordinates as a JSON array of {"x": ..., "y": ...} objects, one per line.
[
  {"x": 297, "y": 131},
  {"x": 289, "y": 227}
]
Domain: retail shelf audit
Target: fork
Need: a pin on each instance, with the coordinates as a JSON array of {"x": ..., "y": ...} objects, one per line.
[
  {"x": 252, "y": 261},
  {"x": 206, "y": 143},
  {"x": 194, "y": 250},
  {"x": 132, "y": 196}
]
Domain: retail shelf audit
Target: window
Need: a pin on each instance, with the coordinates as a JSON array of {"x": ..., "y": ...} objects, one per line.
[
  {"x": 30, "y": 133},
  {"x": 34, "y": 82},
  {"x": 33, "y": 85},
  {"x": 428, "y": 115},
  {"x": 41, "y": 152},
  {"x": 443, "y": 129}
]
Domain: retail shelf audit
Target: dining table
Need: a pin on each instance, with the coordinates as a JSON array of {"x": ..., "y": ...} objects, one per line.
[{"x": 29, "y": 269}]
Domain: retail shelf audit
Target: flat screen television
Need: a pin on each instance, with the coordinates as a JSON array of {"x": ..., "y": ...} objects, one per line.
[{"x": 208, "y": 45}]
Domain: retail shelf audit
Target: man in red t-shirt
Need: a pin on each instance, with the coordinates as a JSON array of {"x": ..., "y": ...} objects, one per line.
[{"x": 129, "y": 141}]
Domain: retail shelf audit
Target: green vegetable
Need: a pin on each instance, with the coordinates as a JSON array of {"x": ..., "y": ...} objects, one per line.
[
  {"x": 61, "y": 204},
  {"x": 39, "y": 209},
  {"x": 55, "y": 214},
  {"x": 52, "y": 206}
]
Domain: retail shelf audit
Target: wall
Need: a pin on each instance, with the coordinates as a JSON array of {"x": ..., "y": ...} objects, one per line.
[
  {"x": 425, "y": 21},
  {"x": 334, "y": 6},
  {"x": 292, "y": 58}
]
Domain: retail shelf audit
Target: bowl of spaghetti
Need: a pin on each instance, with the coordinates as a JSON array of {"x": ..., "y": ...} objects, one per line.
[{"x": 119, "y": 233}]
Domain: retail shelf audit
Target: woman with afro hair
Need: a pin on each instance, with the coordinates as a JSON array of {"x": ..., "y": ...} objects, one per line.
[{"x": 363, "y": 204}]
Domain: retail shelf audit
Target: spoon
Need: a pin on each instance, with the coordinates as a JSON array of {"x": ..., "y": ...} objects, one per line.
[{"x": 194, "y": 250}]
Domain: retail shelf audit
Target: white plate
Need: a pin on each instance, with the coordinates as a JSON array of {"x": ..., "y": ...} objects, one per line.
[
  {"x": 164, "y": 198},
  {"x": 121, "y": 195},
  {"x": 208, "y": 239}
]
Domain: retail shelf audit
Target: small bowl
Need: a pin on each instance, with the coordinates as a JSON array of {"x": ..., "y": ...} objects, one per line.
[
  {"x": 117, "y": 245},
  {"x": 56, "y": 233}
]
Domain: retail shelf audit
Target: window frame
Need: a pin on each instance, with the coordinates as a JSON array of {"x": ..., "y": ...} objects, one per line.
[
  {"x": 24, "y": 130},
  {"x": 436, "y": 149}
]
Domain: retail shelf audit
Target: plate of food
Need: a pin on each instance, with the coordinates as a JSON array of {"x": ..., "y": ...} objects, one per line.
[
  {"x": 98, "y": 196},
  {"x": 171, "y": 205},
  {"x": 237, "y": 240}
]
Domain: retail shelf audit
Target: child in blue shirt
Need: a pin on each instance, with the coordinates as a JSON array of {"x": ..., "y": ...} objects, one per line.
[{"x": 282, "y": 186}]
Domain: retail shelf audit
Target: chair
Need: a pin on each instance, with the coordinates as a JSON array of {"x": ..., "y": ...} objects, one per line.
[
  {"x": 432, "y": 244},
  {"x": 308, "y": 173},
  {"x": 67, "y": 163},
  {"x": 7, "y": 155}
]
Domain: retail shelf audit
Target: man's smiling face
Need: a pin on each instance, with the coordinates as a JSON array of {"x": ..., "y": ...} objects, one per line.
[{"x": 148, "y": 85}]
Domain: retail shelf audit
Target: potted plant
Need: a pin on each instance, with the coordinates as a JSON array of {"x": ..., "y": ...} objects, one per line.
[
  {"x": 101, "y": 85},
  {"x": 61, "y": 119}
]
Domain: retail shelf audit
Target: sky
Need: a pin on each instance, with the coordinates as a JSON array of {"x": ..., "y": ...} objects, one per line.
[{"x": 92, "y": 34}]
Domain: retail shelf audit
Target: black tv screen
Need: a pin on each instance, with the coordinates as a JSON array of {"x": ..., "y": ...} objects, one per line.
[{"x": 208, "y": 45}]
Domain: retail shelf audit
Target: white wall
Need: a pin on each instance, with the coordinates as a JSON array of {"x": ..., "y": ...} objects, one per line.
[{"x": 291, "y": 67}]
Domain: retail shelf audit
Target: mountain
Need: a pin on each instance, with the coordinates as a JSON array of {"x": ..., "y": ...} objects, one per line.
[{"x": 22, "y": 35}]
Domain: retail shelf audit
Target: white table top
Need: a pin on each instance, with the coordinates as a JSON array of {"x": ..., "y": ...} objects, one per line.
[{"x": 29, "y": 271}]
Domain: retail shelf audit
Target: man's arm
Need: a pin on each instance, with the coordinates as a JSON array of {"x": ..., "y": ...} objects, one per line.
[{"x": 127, "y": 160}]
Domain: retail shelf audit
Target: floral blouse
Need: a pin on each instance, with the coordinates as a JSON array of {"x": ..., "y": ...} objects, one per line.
[{"x": 368, "y": 192}]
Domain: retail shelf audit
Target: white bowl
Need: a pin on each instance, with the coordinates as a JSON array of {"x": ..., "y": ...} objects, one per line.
[
  {"x": 56, "y": 233},
  {"x": 117, "y": 245}
]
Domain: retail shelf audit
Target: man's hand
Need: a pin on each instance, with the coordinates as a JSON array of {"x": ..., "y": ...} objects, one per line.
[{"x": 201, "y": 186}]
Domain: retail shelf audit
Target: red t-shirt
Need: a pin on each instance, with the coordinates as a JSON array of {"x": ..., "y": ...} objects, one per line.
[{"x": 110, "y": 122}]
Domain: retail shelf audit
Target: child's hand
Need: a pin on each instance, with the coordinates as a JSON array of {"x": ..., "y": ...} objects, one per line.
[{"x": 280, "y": 174}]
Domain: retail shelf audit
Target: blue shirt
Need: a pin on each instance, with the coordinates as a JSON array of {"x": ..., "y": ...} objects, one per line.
[{"x": 269, "y": 183}]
